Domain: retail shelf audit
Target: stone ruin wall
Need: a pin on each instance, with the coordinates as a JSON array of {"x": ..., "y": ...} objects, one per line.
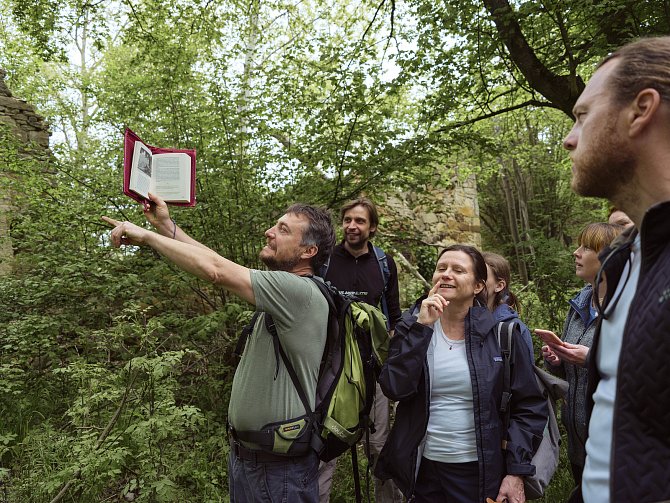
[
  {"x": 440, "y": 215},
  {"x": 19, "y": 119},
  {"x": 444, "y": 213}
]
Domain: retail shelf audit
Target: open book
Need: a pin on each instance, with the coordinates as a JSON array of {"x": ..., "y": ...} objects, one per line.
[{"x": 166, "y": 172}]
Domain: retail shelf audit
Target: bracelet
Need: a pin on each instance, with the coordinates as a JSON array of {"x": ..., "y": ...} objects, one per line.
[{"x": 174, "y": 229}]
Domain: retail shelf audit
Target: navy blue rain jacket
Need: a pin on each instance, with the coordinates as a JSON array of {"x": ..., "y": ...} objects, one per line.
[{"x": 405, "y": 378}]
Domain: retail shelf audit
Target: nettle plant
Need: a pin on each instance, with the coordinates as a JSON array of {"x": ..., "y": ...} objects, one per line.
[{"x": 124, "y": 432}]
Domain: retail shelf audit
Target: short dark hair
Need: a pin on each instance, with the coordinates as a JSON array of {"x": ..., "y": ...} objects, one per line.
[
  {"x": 644, "y": 65},
  {"x": 478, "y": 263},
  {"x": 501, "y": 268},
  {"x": 319, "y": 231},
  {"x": 368, "y": 205}
]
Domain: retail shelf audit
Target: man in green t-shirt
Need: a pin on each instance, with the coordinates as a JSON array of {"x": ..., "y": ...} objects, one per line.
[{"x": 262, "y": 393}]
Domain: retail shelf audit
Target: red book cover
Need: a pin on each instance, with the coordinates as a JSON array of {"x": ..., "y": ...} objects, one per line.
[{"x": 147, "y": 168}]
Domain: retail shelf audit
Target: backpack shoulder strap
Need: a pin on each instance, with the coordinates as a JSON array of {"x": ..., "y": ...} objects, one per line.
[
  {"x": 504, "y": 332},
  {"x": 325, "y": 289},
  {"x": 272, "y": 328},
  {"x": 323, "y": 270},
  {"x": 246, "y": 332},
  {"x": 279, "y": 350},
  {"x": 383, "y": 263}
]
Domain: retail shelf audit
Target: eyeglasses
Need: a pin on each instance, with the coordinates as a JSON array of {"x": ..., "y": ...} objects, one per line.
[{"x": 605, "y": 311}]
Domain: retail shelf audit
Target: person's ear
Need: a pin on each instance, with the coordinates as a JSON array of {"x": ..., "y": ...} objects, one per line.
[
  {"x": 479, "y": 286},
  {"x": 309, "y": 252},
  {"x": 500, "y": 285},
  {"x": 643, "y": 110}
]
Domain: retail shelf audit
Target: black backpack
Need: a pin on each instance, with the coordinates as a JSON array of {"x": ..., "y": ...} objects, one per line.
[{"x": 545, "y": 459}]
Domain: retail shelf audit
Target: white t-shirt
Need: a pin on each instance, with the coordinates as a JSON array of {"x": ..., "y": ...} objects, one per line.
[
  {"x": 450, "y": 437},
  {"x": 596, "y": 478}
]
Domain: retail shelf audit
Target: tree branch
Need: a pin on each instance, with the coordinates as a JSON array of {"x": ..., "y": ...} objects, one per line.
[
  {"x": 406, "y": 263},
  {"x": 528, "y": 103},
  {"x": 561, "y": 90}
]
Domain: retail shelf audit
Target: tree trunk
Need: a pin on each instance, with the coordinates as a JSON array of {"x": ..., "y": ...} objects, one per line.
[
  {"x": 513, "y": 224},
  {"x": 561, "y": 90}
]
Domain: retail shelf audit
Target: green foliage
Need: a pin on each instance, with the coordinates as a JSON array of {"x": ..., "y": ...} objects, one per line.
[
  {"x": 313, "y": 101},
  {"x": 110, "y": 382},
  {"x": 342, "y": 490},
  {"x": 529, "y": 213},
  {"x": 122, "y": 429}
]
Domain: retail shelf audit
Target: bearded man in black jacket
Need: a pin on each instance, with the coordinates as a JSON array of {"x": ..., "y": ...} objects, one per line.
[{"x": 620, "y": 150}]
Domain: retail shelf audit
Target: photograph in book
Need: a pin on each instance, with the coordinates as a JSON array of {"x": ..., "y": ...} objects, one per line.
[{"x": 167, "y": 173}]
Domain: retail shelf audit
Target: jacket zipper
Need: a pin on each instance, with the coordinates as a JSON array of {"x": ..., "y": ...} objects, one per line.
[
  {"x": 475, "y": 403},
  {"x": 415, "y": 455}
]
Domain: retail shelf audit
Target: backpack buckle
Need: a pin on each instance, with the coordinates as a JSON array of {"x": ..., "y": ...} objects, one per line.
[{"x": 505, "y": 400}]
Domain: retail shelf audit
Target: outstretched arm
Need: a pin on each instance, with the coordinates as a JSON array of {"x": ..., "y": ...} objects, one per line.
[
  {"x": 157, "y": 214},
  {"x": 187, "y": 254}
]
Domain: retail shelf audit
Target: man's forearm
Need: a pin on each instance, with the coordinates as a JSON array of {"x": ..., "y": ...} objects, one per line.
[
  {"x": 180, "y": 235},
  {"x": 195, "y": 258},
  {"x": 170, "y": 229}
]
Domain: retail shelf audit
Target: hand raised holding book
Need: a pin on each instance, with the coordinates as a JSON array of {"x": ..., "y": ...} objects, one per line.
[
  {"x": 169, "y": 172},
  {"x": 157, "y": 214}
]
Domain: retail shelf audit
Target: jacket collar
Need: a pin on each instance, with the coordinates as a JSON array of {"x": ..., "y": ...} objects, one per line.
[
  {"x": 504, "y": 312},
  {"x": 581, "y": 303},
  {"x": 654, "y": 233},
  {"x": 341, "y": 250}
]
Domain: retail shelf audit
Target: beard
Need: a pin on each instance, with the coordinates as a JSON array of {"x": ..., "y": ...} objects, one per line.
[
  {"x": 357, "y": 241},
  {"x": 607, "y": 168},
  {"x": 275, "y": 264}
]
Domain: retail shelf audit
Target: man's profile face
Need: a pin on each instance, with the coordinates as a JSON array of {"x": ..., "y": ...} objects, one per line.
[
  {"x": 602, "y": 159},
  {"x": 356, "y": 226},
  {"x": 283, "y": 249}
]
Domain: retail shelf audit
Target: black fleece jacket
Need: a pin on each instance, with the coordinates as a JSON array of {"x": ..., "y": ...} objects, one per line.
[{"x": 640, "y": 462}]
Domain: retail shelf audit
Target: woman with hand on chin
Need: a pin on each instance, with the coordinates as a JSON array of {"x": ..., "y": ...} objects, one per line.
[
  {"x": 445, "y": 369},
  {"x": 566, "y": 357}
]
